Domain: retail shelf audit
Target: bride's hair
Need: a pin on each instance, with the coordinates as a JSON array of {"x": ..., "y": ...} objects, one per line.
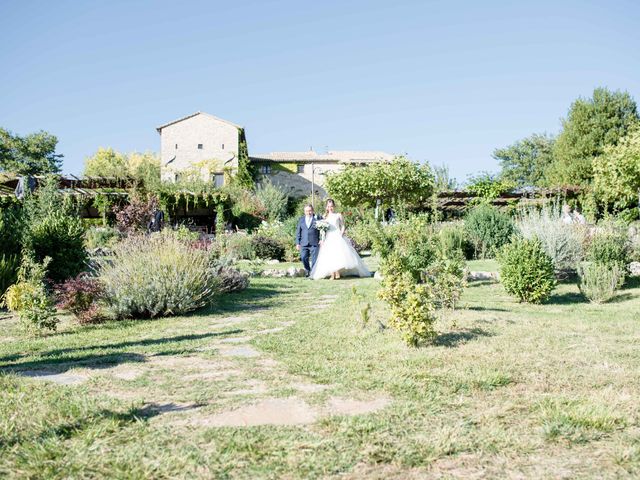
[{"x": 330, "y": 201}]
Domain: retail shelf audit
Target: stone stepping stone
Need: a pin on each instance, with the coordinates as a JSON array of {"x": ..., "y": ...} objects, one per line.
[
  {"x": 191, "y": 362},
  {"x": 61, "y": 378},
  {"x": 240, "y": 351},
  {"x": 125, "y": 373},
  {"x": 273, "y": 411}
]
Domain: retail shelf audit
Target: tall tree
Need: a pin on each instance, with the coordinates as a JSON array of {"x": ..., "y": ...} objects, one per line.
[
  {"x": 144, "y": 168},
  {"x": 616, "y": 178},
  {"x": 525, "y": 162},
  {"x": 591, "y": 125},
  {"x": 106, "y": 162},
  {"x": 33, "y": 154}
]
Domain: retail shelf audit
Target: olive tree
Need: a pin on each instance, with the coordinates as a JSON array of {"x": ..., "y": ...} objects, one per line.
[{"x": 397, "y": 182}]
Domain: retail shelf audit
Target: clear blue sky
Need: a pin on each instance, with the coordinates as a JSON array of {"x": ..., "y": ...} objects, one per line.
[{"x": 445, "y": 81}]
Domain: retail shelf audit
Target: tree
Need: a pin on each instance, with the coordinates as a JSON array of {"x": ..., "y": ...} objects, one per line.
[
  {"x": 525, "y": 162},
  {"x": 106, "y": 162},
  {"x": 400, "y": 181},
  {"x": 591, "y": 125},
  {"x": 142, "y": 167},
  {"x": 443, "y": 180},
  {"x": 616, "y": 173},
  {"x": 34, "y": 154},
  {"x": 488, "y": 186}
]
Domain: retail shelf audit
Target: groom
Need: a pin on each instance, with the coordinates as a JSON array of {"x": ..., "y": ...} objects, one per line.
[{"x": 308, "y": 238}]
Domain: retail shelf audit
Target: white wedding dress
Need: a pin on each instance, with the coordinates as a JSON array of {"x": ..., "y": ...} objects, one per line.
[{"x": 337, "y": 254}]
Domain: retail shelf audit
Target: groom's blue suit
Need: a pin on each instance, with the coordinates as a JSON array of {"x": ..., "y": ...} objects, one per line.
[{"x": 308, "y": 237}]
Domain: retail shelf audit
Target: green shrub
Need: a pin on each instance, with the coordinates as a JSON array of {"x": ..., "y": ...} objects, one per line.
[
  {"x": 488, "y": 229},
  {"x": 598, "y": 282},
  {"x": 156, "y": 276},
  {"x": 360, "y": 234},
  {"x": 446, "y": 279},
  {"x": 564, "y": 243},
  {"x": 273, "y": 199},
  {"x": 101, "y": 237},
  {"x": 609, "y": 246},
  {"x": 268, "y": 248},
  {"x": 412, "y": 305},
  {"x": 60, "y": 237},
  {"x": 526, "y": 271},
  {"x": 9, "y": 265},
  {"x": 453, "y": 241},
  {"x": 234, "y": 246},
  {"x": 30, "y": 299},
  {"x": 411, "y": 241},
  {"x": 11, "y": 229}
]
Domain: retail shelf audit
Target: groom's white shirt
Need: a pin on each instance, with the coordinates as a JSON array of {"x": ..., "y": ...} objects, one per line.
[{"x": 308, "y": 220}]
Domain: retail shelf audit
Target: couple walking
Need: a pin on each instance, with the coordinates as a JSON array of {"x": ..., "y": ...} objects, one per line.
[{"x": 331, "y": 256}]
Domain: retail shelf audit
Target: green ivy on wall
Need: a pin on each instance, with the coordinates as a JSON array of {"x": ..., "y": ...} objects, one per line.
[
  {"x": 245, "y": 174},
  {"x": 285, "y": 167}
]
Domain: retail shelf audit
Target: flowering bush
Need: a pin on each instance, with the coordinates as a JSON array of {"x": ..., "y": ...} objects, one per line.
[{"x": 155, "y": 276}]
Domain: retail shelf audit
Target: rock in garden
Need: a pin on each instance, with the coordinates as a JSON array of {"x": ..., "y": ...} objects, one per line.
[
  {"x": 274, "y": 272},
  {"x": 377, "y": 275},
  {"x": 480, "y": 276},
  {"x": 295, "y": 272}
]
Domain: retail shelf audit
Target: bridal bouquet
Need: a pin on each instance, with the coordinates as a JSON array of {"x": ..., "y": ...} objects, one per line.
[{"x": 323, "y": 227}]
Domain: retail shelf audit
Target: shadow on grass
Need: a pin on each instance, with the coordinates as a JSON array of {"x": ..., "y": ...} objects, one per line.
[
  {"x": 453, "y": 339},
  {"x": 567, "y": 298},
  {"x": 488, "y": 309},
  {"x": 44, "y": 367},
  {"x": 134, "y": 343},
  {"x": 481, "y": 283},
  {"x": 631, "y": 283},
  {"x": 75, "y": 427},
  {"x": 251, "y": 299},
  {"x": 622, "y": 297}
]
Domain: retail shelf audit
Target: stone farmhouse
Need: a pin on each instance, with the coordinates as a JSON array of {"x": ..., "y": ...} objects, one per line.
[{"x": 207, "y": 147}]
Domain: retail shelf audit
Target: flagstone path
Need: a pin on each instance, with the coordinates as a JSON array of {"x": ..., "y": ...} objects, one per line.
[{"x": 226, "y": 382}]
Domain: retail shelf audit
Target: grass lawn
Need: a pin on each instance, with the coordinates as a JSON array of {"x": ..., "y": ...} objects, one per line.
[{"x": 508, "y": 391}]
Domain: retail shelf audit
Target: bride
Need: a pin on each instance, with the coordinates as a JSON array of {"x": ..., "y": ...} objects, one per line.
[{"x": 336, "y": 255}]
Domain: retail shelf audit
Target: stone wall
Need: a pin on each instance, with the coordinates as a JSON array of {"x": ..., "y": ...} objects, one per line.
[
  {"x": 219, "y": 145},
  {"x": 299, "y": 184}
]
